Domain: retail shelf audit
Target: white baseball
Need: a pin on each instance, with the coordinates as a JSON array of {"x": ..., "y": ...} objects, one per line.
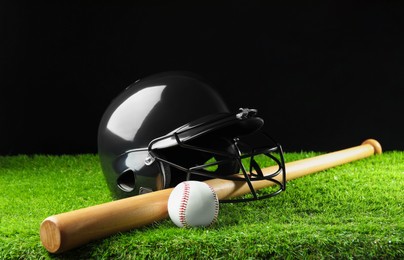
[{"x": 193, "y": 204}]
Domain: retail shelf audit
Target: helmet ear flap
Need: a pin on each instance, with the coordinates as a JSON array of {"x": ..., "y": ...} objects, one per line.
[
  {"x": 126, "y": 181},
  {"x": 135, "y": 177}
]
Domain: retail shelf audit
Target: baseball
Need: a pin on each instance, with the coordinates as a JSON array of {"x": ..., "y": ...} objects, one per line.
[{"x": 193, "y": 204}]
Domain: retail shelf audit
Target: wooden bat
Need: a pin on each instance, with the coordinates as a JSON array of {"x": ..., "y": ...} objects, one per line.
[{"x": 65, "y": 231}]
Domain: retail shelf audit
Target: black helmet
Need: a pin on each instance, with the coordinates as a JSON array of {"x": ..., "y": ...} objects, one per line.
[{"x": 172, "y": 127}]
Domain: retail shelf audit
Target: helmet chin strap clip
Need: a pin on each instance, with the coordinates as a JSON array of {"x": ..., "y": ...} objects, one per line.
[
  {"x": 149, "y": 160},
  {"x": 246, "y": 113}
]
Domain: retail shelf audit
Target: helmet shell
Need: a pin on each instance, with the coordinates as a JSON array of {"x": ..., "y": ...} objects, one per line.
[{"x": 149, "y": 108}]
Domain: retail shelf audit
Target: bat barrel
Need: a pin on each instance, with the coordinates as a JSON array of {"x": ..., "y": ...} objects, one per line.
[{"x": 68, "y": 230}]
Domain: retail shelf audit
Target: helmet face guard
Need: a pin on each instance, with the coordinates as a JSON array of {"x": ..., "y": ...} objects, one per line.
[{"x": 235, "y": 129}]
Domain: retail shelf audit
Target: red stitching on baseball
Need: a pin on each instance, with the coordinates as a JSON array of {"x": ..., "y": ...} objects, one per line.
[
  {"x": 183, "y": 205},
  {"x": 216, "y": 205}
]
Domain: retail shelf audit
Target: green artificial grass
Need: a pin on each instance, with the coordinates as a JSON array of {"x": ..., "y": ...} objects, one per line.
[{"x": 351, "y": 211}]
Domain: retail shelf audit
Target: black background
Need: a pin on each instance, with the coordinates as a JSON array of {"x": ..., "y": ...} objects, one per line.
[{"x": 323, "y": 75}]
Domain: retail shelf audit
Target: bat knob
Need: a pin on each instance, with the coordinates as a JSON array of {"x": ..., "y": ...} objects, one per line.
[
  {"x": 50, "y": 235},
  {"x": 376, "y": 145}
]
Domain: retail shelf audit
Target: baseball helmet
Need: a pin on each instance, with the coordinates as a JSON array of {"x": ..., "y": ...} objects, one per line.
[{"x": 172, "y": 127}]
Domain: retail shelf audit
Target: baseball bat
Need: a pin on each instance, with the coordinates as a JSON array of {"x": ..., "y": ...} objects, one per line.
[{"x": 65, "y": 231}]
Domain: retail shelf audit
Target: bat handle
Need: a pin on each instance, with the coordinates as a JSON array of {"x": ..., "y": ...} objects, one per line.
[{"x": 300, "y": 168}]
